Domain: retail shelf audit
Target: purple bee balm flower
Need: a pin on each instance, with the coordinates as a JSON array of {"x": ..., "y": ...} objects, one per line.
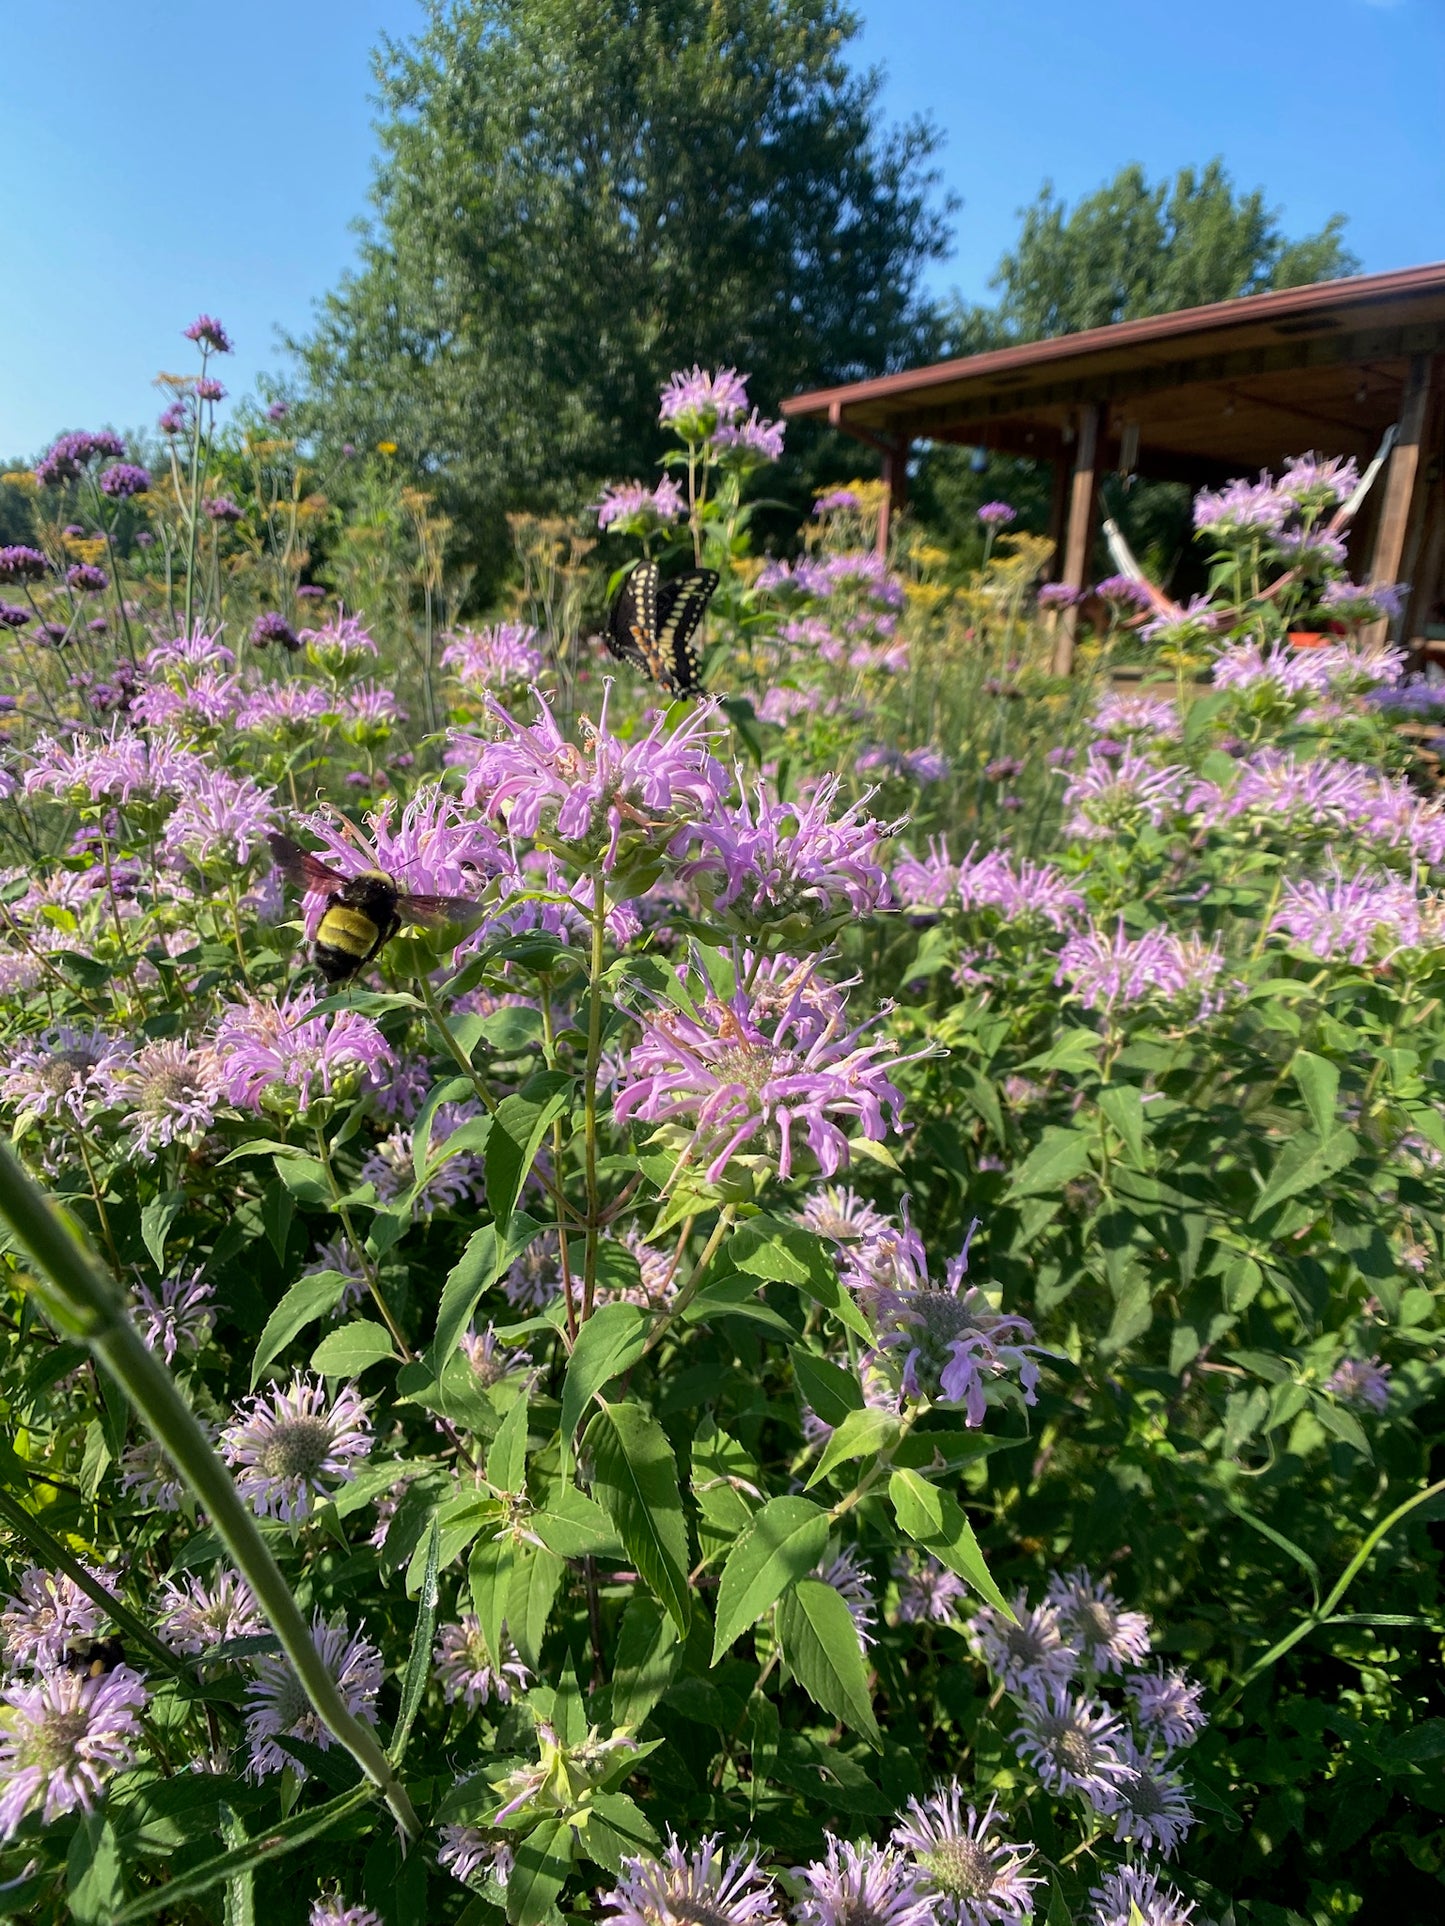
[
  {"x": 220, "y": 508},
  {"x": 1059, "y": 595},
  {"x": 433, "y": 845},
  {"x": 1313, "y": 484},
  {"x": 208, "y": 333},
  {"x": 1027, "y": 1653},
  {"x": 288, "y": 1448},
  {"x": 1151, "y": 1804},
  {"x": 594, "y": 796},
  {"x": 1312, "y": 550},
  {"x": 21, "y": 564},
  {"x": 973, "y": 1876},
  {"x": 536, "y": 1278},
  {"x": 681, "y": 1888},
  {"x": 466, "y": 1851},
  {"x": 1104, "y": 1635},
  {"x": 61, "y": 1740},
  {"x": 1108, "y": 795},
  {"x": 997, "y": 514},
  {"x": 85, "y": 579},
  {"x": 63, "y": 1075},
  {"x": 1168, "y": 1705},
  {"x": 220, "y": 818},
  {"x": 146, "y": 1471},
  {"x": 277, "y": 1708},
  {"x": 12, "y": 616},
  {"x": 1111, "y": 972},
  {"x": 1016, "y": 891},
  {"x": 274, "y": 1053},
  {"x": 1074, "y": 1745},
  {"x": 1133, "y": 1896},
  {"x": 168, "y": 1093},
  {"x": 49, "y": 1612},
  {"x": 862, "y": 1885},
  {"x": 751, "y": 441},
  {"x": 637, "y": 507},
  {"x": 1352, "y": 921},
  {"x": 735, "y": 1072},
  {"x": 1242, "y": 511},
  {"x": 840, "y": 1215},
  {"x": 179, "y": 1318},
  {"x": 926, "y": 882},
  {"x": 1361, "y": 1381},
  {"x": 781, "y": 705},
  {"x": 273, "y": 627},
  {"x": 1350, "y": 602},
  {"x": 1192, "y": 625},
  {"x": 1120, "y": 714},
  {"x": 331, "y": 1910},
  {"x": 284, "y": 712},
  {"x": 697, "y": 403},
  {"x": 928, "y": 1593},
  {"x": 199, "y": 1615},
  {"x": 466, "y": 1670},
  {"x": 951, "y": 1342},
  {"x": 852, "y": 1584},
  {"x": 341, "y": 646},
  {"x": 310, "y": 592},
  {"x": 1124, "y": 591},
  {"x": 491, "y": 1362},
  {"x": 123, "y": 479},
  {"x": 836, "y": 501},
  {"x": 501, "y": 656}
]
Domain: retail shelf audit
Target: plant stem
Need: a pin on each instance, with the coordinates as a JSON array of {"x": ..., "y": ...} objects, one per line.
[
  {"x": 83, "y": 1302},
  {"x": 589, "y": 1090},
  {"x": 694, "y": 1278},
  {"x": 373, "y": 1283}
]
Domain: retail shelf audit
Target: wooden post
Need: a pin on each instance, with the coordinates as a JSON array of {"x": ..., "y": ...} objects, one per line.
[
  {"x": 1401, "y": 478},
  {"x": 1083, "y": 501},
  {"x": 895, "y": 490},
  {"x": 1058, "y": 510}
]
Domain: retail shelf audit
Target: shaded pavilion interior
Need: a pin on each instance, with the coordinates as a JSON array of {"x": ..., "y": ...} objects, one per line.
[{"x": 1200, "y": 396}]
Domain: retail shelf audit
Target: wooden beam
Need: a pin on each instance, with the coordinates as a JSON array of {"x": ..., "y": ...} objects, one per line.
[
  {"x": 895, "y": 491},
  {"x": 1058, "y": 510},
  {"x": 1401, "y": 475},
  {"x": 1079, "y": 539}
]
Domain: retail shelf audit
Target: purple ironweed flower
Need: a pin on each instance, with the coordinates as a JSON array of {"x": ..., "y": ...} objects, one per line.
[
  {"x": 278, "y": 411},
  {"x": 546, "y": 785},
  {"x": 840, "y": 1215},
  {"x": 148, "y": 1472},
  {"x": 467, "y": 1671},
  {"x": 198, "y": 1616},
  {"x": 735, "y": 1071},
  {"x": 277, "y": 1708},
  {"x": 638, "y": 507},
  {"x": 219, "y": 817},
  {"x": 1362, "y": 1381},
  {"x": 123, "y": 479},
  {"x": 286, "y": 1447},
  {"x": 1243, "y": 511},
  {"x": 974, "y": 1877},
  {"x": 1191, "y": 626},
  {"x": 1352, "y": 921},
  {"x": 1168, "y": 1706},
  {"x": 63, "y": 1737},
  {"x": 174, "y": 420},
  {"x": 1058, "y": 595},
  {"x": 835, "y": 500},
  {"x": 221, "y": 508},
  {"x": 681, "y": 1888},
  {"x": 64, "y": 1074},
  {"x": 750, "y": 441},
  {"x": 273, "y": 1053},
  {"x": 168, "y": 1093},
  {"x": 1074, "y": 1744},
  {"x": 927, "y": 1591},
  {"x": 864, "y": 1885},
  {"x": 849, "y": 1580},
  {"x": 1029, "y": 1656},
  {"x": 504, "y": 654},
  {"x": 1313, "y": 485},
  {"x": 773, "y": 863},
  {"x": 1132, "y": 1896},
  {"x": 18, "y": 563},
  {"x": 1120, "y": 714},
  {"x": 273, "y": 627},
  {"x": 1151, "y": 1804},
  {"x": 66, "y": 458},
  {"x": 466, "y": 1850},
  {"x": 284, "y": 711},
  {"x": 85, "y": 579},
  {"x": 1124, "y": 591},
  {"x": 209, "y": 389},
  {"x": 207, "y": 332},
  {"x": 951, "y": 1342},
  {"x": 1107, "y": 795},
  {"x": 180, "y": 1318},
  {"x": 1104, "y": 1635},
  {"x": 330, "y": 1911},
  {"x": 49, "y": 1612},
  {"x": 695, "y": 404},
  {"x": 1106, "y": 972},
  {"x": 997, "y": 514},
  {"x": 12, "y": 616},
  {"x": 1352, "y": 602}
]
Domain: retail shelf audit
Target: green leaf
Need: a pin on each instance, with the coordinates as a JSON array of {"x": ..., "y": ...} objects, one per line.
[
  {"x": 307, "y": 1299},
  {"x": 1319, "y": 1083},
  {"x": 1058, "y": 1157},
  {"x": 737, "y": 1296},
  {"x": 93, "y": 1884},
  {"x": 489, "y": 1577},
  {"x": 536, "y": 1577},
  {"x": 860, "y": 1435},
  {"x": 828, "y": 1389},
  {"x": 936, "y": 1521},
  {"x": 573, "y": 1526},
  {"x": 474, "y": 1273},
  {"x": 1343, "y": 1424},
  {"x": 1072, "y": 1051},
  {"x": 519, "y": 1124},
  {"x": 418, "y": 1665},
  {"x": 610, "y": 1340},
  {"x": 347, "y": 1353},
  {"x": 616, "y": 1827},
  {"x": 278, "y": 1208},
  {"x": 507, "y": 1459},
  {"x": 788, "y": 1254},
  {"x": 155, "y": 1222},
  {"x": 1304, "y": 1162},
  {"x": 635, "y": 1479},
  {"x": 820, "y": 1643},
  {"x": 1124, "y": 1107},
  {"x": 783, "y": 1542},
  {"x": 543, "y": 1861},
  {"x": 647, "y": 1657}
]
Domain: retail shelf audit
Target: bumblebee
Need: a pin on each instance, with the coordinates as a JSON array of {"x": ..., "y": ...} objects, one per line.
[
  {"x": 363, "y": 912},
  {"x": 93, "y": 1657}
]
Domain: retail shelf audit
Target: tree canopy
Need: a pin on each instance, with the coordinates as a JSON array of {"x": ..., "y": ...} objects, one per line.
[{"x": 574, "y": 196}]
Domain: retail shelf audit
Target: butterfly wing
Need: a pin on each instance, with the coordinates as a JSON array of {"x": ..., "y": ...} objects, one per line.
[
  {"x": 306, "y": 871},
  {"x": 680, "y": 608},
  {"x": 632, "y": 626}
]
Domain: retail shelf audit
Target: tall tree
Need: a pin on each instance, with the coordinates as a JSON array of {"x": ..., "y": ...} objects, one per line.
[{"x": 574, "y": 196}]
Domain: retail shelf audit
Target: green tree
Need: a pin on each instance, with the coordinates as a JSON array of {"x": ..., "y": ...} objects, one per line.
[{"x": 574, "y": 196}]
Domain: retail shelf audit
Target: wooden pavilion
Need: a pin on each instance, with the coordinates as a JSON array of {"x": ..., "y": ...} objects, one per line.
[{"x": 1200, "y": 396}]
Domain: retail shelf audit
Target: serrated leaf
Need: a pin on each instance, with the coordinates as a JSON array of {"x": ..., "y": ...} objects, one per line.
[
  {"x": 573, "y": 1525},
  {"x": 278, "y": 1210},
  {"x": 489, "y": 1578},
  {"x": 1123, "y": 1106},
  {"x": 788, "y": 1254},
  {"x": 647, "y": 1656},
  {"x": 308, "y": 1299},
  {"x": 1319, "y": 1085},
  {"x": 539, "y": 1872},
  {"x": 635, "y": 1478},
  {"x": 518, "y": 1125},
  {"x": 827, "y": 1389},
  {"x": 860, "y": 1435},
  {"x": 935, "y": 1520},
  {"x": 1342, "y": 1424},
  {"x": 346, "y": 1353},
  {"x": 475, "y": 1272},
  {"x": 1058, "y": 1158},
  {"x": 507, "y": 1459},
  {"x": 820, "y": 1643},
  {"x": 418, "y": 1665},
  {"x": 1305, "y": 1162},
  {"x": 536, "y": 1576},
  {"x": 610, "y": 1340},
  {"x": 782, "y": 1543}
]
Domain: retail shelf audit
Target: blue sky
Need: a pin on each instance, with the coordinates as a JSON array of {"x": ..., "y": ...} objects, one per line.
[{"x": 169, "y": 156}]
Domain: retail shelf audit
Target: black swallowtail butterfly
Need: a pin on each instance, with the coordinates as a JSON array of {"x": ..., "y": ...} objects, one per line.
[{"x": 653, "y": 625}]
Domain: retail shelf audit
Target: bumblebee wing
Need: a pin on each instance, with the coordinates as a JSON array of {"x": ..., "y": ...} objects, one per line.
[
  {"x": 308, "y": 872},
  {"x": 632, "y": 626},
  {"x": 435, "y": 911},
  {"x": 680, "y": 608}
]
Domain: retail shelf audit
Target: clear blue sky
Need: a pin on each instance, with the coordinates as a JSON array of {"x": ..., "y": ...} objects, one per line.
[{"x": 169, "y": 156}]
